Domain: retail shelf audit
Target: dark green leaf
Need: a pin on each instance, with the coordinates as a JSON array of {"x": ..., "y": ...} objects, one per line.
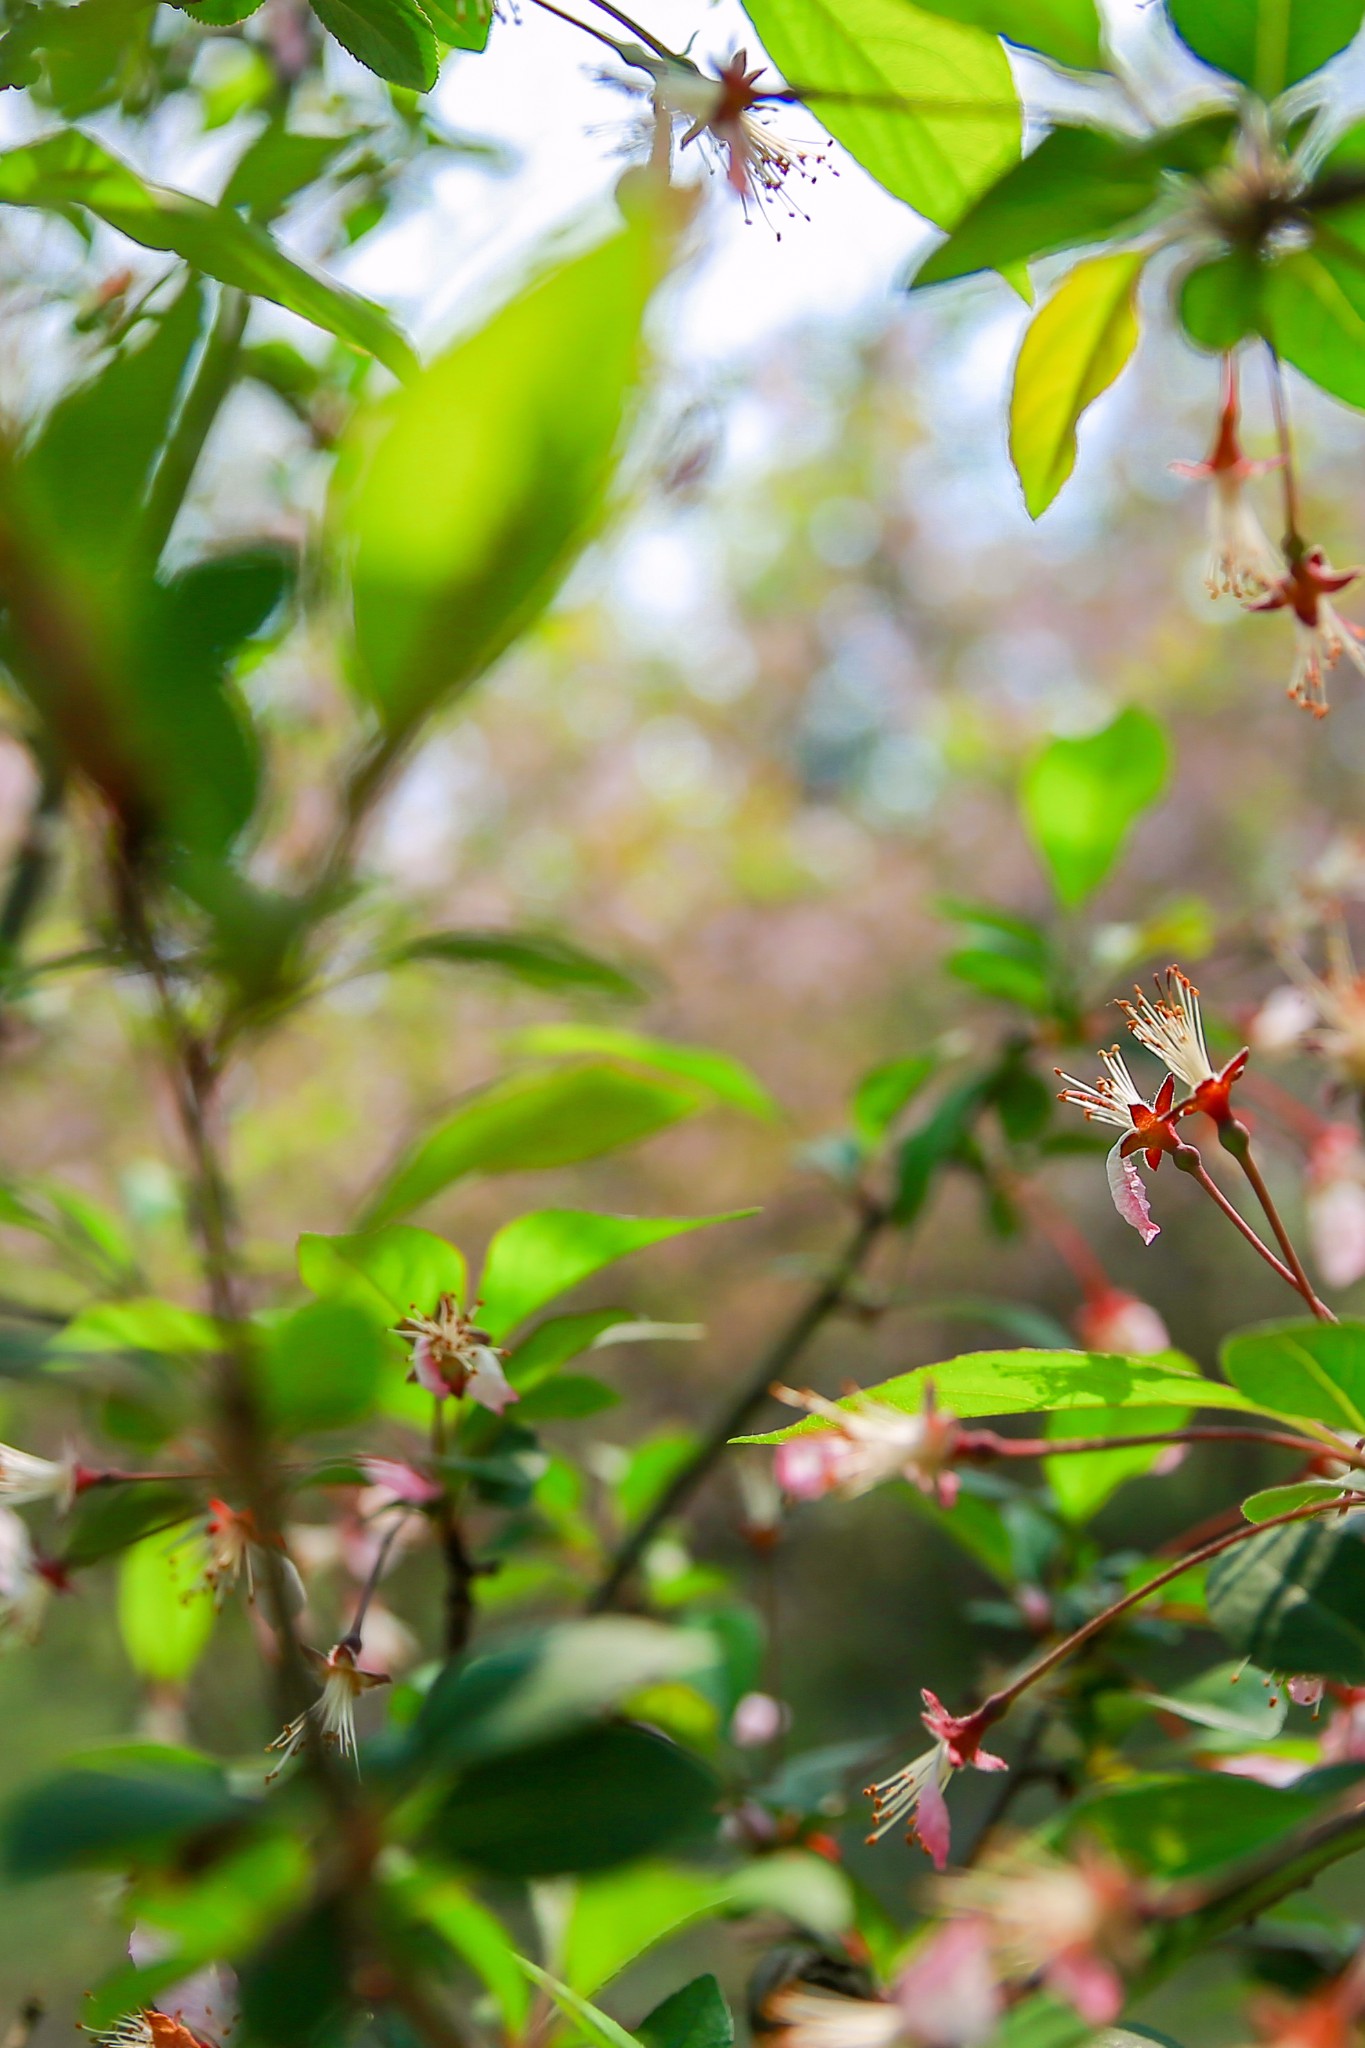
[
  {"x": 1267, "y": 44},
  {"x": 586, "y": 1803},
  {"x": 565, "y": 1398},
  {"x": 1184, "y": 1825},
  {"x": 294, "y": 1994},
  {"x": 1220, "y": 302},
  {"x": 934, "y": 1145},
  {"x": 1078, "y": 186},
  {"x": 540, "y": 958},
  {"x": 555, "y": 1341},
  {"x": 695, "y": 2017},
  {"x": 133, "y": 1804},
  {"x": 107, "y": 1519},
  {"x": 278, "y": 165},
  {"x": 1313, "y": 310},
  {"x": 71, "y": 169},
  {"x": 1293, "y": 1599},
  {"x": 390, "y": 37},
  {"x": 546, "y": 1118}
]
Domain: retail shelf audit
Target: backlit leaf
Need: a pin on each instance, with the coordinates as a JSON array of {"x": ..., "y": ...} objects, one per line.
[
  {"x": 546, "y": 1253},
  {"x": 1266, "y": 44},
  {"x": 1075, "y": 347},
  {"x": 1080, "y": 798}
]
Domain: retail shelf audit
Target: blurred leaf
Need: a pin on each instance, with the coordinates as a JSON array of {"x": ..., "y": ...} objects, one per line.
[
  {"x": 566, "y": 1398},
  {"x": 294, "y": 1993},
  {"x": 649, "y": 1467},
  {"x": 1075, "y": 347},
  {"x": 1219, "y": 302},
  {"x": 1229, "y": 1700},
  {"x": 472, "y": 1931},
  {"x": 320, "y": 1368},
  {"x": 1267, "y": 44},
  {"x": 881, "y": 1095},
  {"x": 595, "y": 2026},
  {"x": 471, "y": 492},
  {"x": 555, "y": 1341},
  {"x": 278, "y": 165},
  {"x": 132, "y": 1804},
  {"x": 71, "y": 169},
  {"x": 982, "y": 1383},
  {"x": 549, "y": 1117},
  {"x": 803, "y": 1887},
  {"x": 1293, "y": 1599},
  {"x": 959, "y": 123},
  {"x": 727, "y": 1079},
  {"x": 463, "y": 24},
  {"x": 384, "y": 1272},
  {"x": 165, "y": 1618},
  {"x": 1083, "y": 1481},
  {"x": 1316, "y": 1370},
  {"x": 584, "y": 1803},
  {"x": 390, "y": 37},
  {"x": 616, "y": 1917},
  {"x": 1282, "y": 1500},
  {"x": 1313, "y": 312},
  {"x": 542, "y": 1255},
  {"x": 144, "y": 1325},
  {"x": 549, "y": 1682},
  {"x": 1066, "y": 30},
  {"x": 107, "y": 1519},
  {"x": 1078, "y": 185},
  {"x": 996, "y": 972},
  {"x": 1184, "y": 1825},
  {"x": 694, "y": 2017},
  {"x": 542, "y": 959},
  {"x": 1080, "y": 798},
  {"x": 939, "y": 1140}
]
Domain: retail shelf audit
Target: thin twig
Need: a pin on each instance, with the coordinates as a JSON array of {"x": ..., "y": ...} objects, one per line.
[
  {"x": 1242, "y": 1153},
  {"x": 775, "y": 1364}
]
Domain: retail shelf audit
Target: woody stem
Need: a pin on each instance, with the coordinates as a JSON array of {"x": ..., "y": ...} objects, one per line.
[
  {"x": 999, "y": 1703},
  {"x": 1235, "y": 1139}
]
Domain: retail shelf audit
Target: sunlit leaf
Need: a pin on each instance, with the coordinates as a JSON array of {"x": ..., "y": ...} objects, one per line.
[
  {"x": 546, "y": 1253},
  {"x": 1081, "y": 797},
  {"x": 1067, "y": 30},
  {"x": 1312, "y": 1369},
  {"x": 1313, "y": 310},
  {"x": 384, "y": 1272},
  {"x": 928, "y": 106},
  {"x": 165, "y": 1618},
  {"x": 1184, "y": 1825},
  {"x": 723, "y": 1076},
  {"x": 321, "y": 1367},
  {"x": 1075, "y": 347},
  {"x": 1082, "y": 1481}
]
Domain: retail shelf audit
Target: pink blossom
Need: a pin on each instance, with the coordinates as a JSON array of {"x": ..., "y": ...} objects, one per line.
[
  {"x": 404, "y": 1482},
  {"x": 1114, "y": 1321},
  {"x": 947, "y": 1991},
  {"x": 758, "y": 1719},
  {"x": 870, "y": 1442},
  {"x": 914, "y": 1794}
]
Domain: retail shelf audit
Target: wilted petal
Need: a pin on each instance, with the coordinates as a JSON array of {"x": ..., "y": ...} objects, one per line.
[{"x": 1130, "y": 1196}]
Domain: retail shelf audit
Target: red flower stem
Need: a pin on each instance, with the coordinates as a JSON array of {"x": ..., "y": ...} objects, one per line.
[
  {"x": 1236, "y": 1140},
  {"x": 1188, "y": 1161},
  {"x": 1293, "y": 538},
  {"x": 999, "y": 1703},
  {"x": 983, "y": 1444}
]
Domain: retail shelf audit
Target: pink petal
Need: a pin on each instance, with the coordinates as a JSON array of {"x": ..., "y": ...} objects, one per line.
[
  {"x": 803, "y": 1467},
  {"x": 489, "y": 1385},
  {"x": 1090, "y": 1984},
  {"x": 425, "y": 1370},
  {"x": 984, "y": 1760},
  {"x": 948, "y": 1991},
  {"x": 404, "y": 1482},
  {"x": 931, "y": 1823},
  {"x": 1130, "y": 1196}
]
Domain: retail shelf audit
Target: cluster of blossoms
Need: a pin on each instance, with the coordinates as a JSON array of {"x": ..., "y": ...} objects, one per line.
[
  {"x": 1244, "y": 564},
  {"x": 1172, "y": 1027},
  {"x": 1024, "y": 1917}
]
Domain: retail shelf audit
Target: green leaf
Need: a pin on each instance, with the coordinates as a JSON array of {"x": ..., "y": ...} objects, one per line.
[
  {"x": 939, "y": 1140},
  {"x": 1267, "y": 44},
  {"x": 541, "y": 959},
  {"x": 1293, "y": 1599},
  {"x": 546, "y": 1253},
  {"x": 1220, "y": 302},
  {"x": 384, "y": 1272},
  {"x": 132, "y": 1804},
  {"x": 1316, "y": 1370},
  {"x": 277, "y": 166},
  {"x": 1075, "y": 347},
  {"x": 1184, "y": 1825},
  {"x": 465, "y": 516},
  {"x": 107, "y": 1519},
  {"x": 618, "y": 1916},
  {"x": 694, "y": 2017},
  {"x": 881, "y": 1095},
  {"x": 928, "y": 106},
  {"x": 463, "y": 24},
  {"x": 555, "y": 1341},
  {"x": 585, "y": 1803},
  {"x": 1313, "y": 312},
  {"x": 165, "y": 1609},
  {"x": 1066, "y": 30},
  {"x": 390, "y": 37},
  {"x": 474, "y": 1932},
  {"x": 1083, "y": 1481},
  {"x": 1003, "y": 975},
  {"x": 725, "y": 1078},
  {"x": 144, "y": 1325},
  {"x": 545, "y": 1118},
  {"x": 1080, "y": 798},
  {"x": 295, "y": 1992},
  {"x": 1229, "y": 1700},
  {"x": 550, "y": 1682},
  {"x": 566, "y": 1399},
  {"x": 982, "y": 1383},
  {"x": 72, "y": 169},
  {"x": 1078, "y": 186},
  {"x": 1282, "y": 1500},
  {"x": 321, "y": 1368},
  {"x": 594, "y": 2025}
]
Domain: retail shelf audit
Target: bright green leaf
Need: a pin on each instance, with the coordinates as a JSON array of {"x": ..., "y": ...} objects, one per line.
[
  {"x": 1075, "y": 347},
  {"x": 1082, "y": 1481},
  {"x": 1313, "y": 311},
  {"x": 723, "y": 1076},
  {"x": 71, "y": 169},
  {"x": 472, "y": 1931},
  {"x": 928, "y": 106},
  {"x": 881, "y": 1095},
  {"x": 546, "y": 1253},
  {"x": 1316, "y": 1370},
  {"x": 545, "y": 1118},
  {"x": 165, "y": 1608},
  {"x": 321, "y": 1368},
  {"x": 385, "y": 1272},
  {"x": 1283, "y": 1500},
  {"x": 1066, "y": 30},
  {"x": 1080, "y": 798}
]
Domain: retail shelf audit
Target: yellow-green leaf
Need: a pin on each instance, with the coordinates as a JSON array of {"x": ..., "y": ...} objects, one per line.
[{"x": 1075, "y": 347}]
